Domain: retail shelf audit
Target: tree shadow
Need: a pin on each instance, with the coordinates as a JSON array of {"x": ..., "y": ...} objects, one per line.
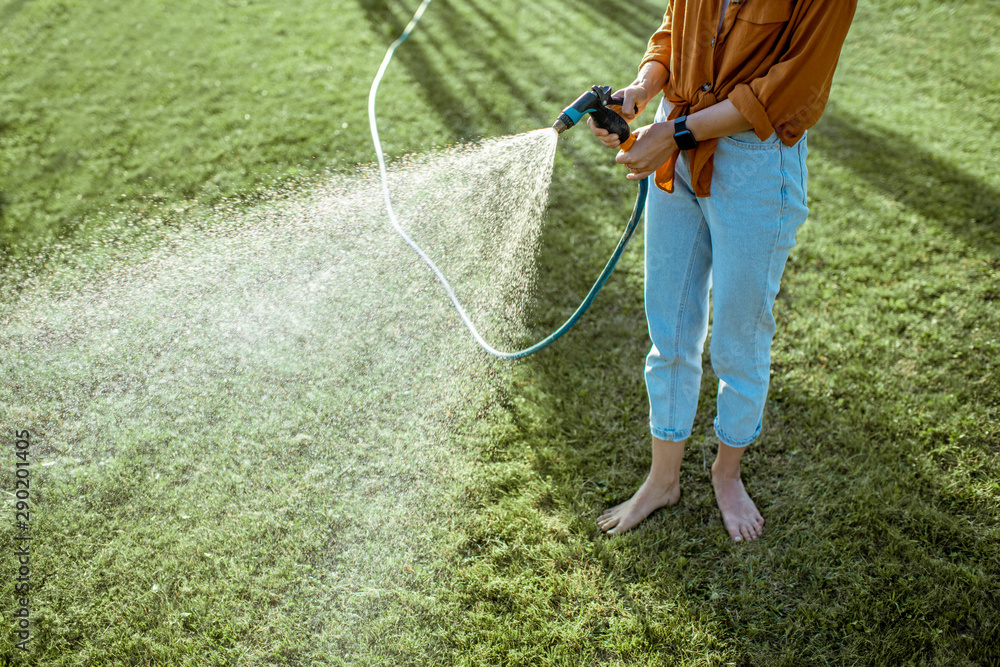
[
  {"x": 851, "y": 510},
  {"x": 856, "y": 516},
  {"x": 461, "y": 114},
  {"x": 827, "y": 567},
  {"x": 905, "y": 172},
  {"x": 9, "y": 11},
  {"x": 638, "y": 20}
]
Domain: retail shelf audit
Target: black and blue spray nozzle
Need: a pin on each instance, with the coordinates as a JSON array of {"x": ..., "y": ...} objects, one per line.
[{"x": 595, "y": 102}]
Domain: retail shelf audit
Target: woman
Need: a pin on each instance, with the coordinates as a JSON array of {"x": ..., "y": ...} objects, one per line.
[{"x": 742, "y": 81}]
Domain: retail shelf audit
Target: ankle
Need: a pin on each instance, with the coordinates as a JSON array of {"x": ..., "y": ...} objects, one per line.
[
  {"x": 725, "y": 471},
  {"x": 663, "y": 479},
  {"x": 727, "y": 463},
  {"x": 665, "y": 469}
]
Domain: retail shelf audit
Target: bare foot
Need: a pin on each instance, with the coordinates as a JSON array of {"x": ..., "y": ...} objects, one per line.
[
  {"x": 739, "y": 514},
  {"x": 651, "y": 496}
]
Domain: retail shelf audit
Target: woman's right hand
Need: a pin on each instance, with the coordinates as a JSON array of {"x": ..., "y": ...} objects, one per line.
[{"x": 634, "y": 100}]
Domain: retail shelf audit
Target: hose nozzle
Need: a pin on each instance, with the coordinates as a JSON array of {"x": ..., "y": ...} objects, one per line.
[
  {"x": 595, "y": 102},
  {"x": 561, "y": 125}
]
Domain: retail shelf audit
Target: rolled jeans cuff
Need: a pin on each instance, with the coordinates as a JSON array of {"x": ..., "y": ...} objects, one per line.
[
  {"x": 731, "y": 442},
  {"x": 669, "y": 436}
]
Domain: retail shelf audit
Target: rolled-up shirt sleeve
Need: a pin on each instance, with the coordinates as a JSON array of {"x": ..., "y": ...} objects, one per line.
[
  {"x": 791, "y": 97},
  {"x": 658, "y": 49}
]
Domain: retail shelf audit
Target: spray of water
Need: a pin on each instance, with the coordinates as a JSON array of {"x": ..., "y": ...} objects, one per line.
[{"x": 300, "y": 343}]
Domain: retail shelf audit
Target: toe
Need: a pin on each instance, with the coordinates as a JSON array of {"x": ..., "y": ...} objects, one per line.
[
  {"x": 609, "y": 513},
  {"x": 618, "y": 529}
]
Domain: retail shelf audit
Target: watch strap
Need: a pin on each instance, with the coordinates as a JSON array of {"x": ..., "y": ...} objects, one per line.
[{"x": 682, "y": 136}]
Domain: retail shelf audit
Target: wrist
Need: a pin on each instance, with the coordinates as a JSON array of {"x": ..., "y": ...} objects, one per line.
[
  {"x": 683, "y": 136},
  {"x": 665, "y": 134}
]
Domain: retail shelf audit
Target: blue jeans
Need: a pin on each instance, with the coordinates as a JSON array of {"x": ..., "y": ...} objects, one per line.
[{"x": 735, "y": 243}]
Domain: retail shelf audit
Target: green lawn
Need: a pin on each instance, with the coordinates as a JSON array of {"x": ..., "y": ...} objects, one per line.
[{"x": 124, "y": 125}]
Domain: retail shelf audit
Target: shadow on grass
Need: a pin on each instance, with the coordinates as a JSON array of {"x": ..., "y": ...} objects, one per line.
[
  {"x": 422, "y": 60},
  {"x": 11, "y": 10},
  {"x": 866, "y": 557},
  {"x": 638, "y": 20},
  {"x": 905, "y": 172},
  {"x": 871, "y": 554}
]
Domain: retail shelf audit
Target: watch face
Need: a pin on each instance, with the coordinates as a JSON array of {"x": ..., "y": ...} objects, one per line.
[{"x": 685, "y": 140}]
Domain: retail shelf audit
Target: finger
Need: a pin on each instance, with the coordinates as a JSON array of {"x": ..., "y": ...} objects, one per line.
[
  {"x": 636, "y": 102},
  {"x": 628, "y": 105},
  {"x": 623, "y": 139},
  {"x": 638, "y": 176},
  {"x": 622, "y": 157},
  {"x": 619, "y": 107},
  {"x": 609, "y": 140},
  {"x": 598, "y": 131}
]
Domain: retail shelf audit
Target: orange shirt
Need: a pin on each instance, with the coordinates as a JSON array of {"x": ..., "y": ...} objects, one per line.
[{"x": 774, "y": 59}]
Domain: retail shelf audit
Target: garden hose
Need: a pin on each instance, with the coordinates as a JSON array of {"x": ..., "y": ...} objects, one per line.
[{"x": 595, "y": 103}]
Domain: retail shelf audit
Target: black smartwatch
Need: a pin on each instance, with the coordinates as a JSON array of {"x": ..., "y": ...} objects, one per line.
[{"x": 685, "y": 140}]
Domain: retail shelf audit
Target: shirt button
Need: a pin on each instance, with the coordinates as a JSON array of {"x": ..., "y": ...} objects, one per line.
[{"x": 707, "y": 87}]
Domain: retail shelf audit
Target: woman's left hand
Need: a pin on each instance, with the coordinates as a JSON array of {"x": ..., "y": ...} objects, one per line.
[{"x": 654, "y": 144}]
